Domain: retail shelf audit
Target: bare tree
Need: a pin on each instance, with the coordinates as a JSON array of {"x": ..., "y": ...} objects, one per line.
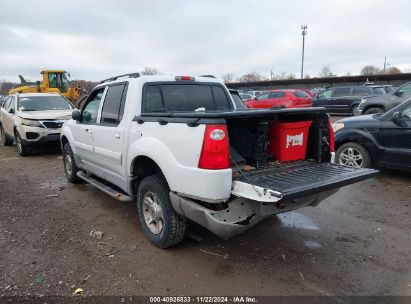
[
  {"x": 393, "y": 70},
  {"x": 150, "y": 71},
  {"x": 370, "y": 70},
  {"x": 250, "y": 77},
  {"x": 291, "y": 76},
  {"x": 229, "y": 77},
  {"x": 326, "y": 71}
]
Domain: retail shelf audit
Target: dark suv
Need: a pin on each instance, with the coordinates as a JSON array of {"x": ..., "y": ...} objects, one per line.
[
  {"x": 383, "y": 103},
  {"x": 345, "y": 99}
]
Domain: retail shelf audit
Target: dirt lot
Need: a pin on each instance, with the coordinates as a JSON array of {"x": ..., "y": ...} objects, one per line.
[{"x": 357, "y": 242}]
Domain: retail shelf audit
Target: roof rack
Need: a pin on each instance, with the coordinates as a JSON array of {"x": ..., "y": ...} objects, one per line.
[
  {"x": 208, "y": 76},
  {"x": 130, "y": 75}
]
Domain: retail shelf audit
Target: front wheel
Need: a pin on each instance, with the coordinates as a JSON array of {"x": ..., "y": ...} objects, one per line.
[
  {"x": 22, "y": 148},
  {"x": 70, "y": 167},
  {"x": 161, "y": 224},
  {"x": 354, "y": 155}
]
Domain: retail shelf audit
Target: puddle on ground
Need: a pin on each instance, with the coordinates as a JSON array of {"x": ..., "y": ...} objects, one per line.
[
  {"x": 297, "y": 220},
  {"x": 312, "y": 244}
]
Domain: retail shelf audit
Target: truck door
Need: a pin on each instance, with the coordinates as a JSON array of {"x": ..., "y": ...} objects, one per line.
[
  {"x": 109, "y": 134},
  {"x": 83, "y": 130}
]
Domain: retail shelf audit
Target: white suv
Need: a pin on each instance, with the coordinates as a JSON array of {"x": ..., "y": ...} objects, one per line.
[{"x": 33, "y": 119}]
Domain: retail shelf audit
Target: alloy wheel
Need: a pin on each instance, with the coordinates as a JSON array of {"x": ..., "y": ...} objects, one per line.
[
  {"x": 153, "y": 213},
  {"x": 351, "y": 157}
]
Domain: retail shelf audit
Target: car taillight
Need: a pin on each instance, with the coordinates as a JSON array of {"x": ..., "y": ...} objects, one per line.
[
  {"x": 332, "y": 140},
  {"x": 215, "y": 153}
]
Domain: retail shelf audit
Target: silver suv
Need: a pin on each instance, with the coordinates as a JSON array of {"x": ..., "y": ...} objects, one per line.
[{"x": 33, "y": 119}]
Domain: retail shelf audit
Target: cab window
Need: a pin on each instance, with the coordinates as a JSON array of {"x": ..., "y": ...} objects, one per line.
[
  {"x": 90, "y": 110},
  {"x": 113, "y": 106}
]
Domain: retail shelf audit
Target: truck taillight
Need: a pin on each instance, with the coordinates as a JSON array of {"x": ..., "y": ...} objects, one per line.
[
  {"x": 332, "y": 140},
  {"x": 215, "y": 153}
]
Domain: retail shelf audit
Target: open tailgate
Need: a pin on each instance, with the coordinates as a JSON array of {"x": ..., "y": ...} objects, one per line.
[{"x": 288, "y": 181}]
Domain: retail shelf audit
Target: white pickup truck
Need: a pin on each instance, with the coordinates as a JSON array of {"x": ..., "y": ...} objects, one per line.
[{"x": 183, "y": 150}]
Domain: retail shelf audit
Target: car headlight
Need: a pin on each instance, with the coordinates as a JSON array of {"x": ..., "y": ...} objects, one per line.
[
  {"x": 31, "y": 123},
  {"x": 337, "y": 126}
]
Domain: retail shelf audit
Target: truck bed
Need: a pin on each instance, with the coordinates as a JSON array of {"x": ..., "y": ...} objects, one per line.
[{"x": 305, "y": 177}]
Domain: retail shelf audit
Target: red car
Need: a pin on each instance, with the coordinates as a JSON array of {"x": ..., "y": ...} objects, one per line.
[{"x": 281, "y": 98}]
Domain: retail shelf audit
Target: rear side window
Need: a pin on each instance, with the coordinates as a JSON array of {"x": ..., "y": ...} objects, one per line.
[
  {"x": 113, "y": 106},
  {"x": 300, "y": 94},
  {"x": 361, "y": 91},
  {"x": 220, "y": 99},
  {"x": 153, "y": 101},
  {"x": 339, "y": 92},
  {"x": 378, "y": 91},
  {"x": 185, "y": 98},
  {"x": 277, "y": 95}
]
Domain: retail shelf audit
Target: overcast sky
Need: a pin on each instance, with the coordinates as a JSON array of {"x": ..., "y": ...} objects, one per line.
[{"x": 97, "y": 39}]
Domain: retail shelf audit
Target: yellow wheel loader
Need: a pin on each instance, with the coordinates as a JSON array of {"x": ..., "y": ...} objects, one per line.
[{"x": 54, "y": 81}]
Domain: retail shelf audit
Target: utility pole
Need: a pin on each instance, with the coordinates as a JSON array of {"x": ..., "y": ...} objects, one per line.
[
  {"x": 385, "y": 63},
  {"x": 303, "y": 33}
]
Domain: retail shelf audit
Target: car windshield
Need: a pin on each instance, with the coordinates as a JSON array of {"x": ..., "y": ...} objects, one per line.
[{"x": 43, "y": 103}]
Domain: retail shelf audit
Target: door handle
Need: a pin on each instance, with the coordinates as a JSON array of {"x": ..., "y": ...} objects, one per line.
[
  {"x": 117, "y": 135},
  {"x": 89, "y": 131}
]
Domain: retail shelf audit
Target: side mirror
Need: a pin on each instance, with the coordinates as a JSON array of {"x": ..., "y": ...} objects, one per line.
[
  {"x": 399, "y": 93},
  {"x": 11, "y": 111},
  {"x": 76, "y": 115}
]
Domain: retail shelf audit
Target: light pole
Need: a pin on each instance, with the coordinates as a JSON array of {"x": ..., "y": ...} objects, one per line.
[{"x": 303, "y": 33}]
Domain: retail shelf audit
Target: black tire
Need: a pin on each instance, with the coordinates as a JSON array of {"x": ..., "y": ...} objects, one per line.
[
  {"x": 22, "y": 148},
  {"x": 356, "y": 148},
  {"x": 173, "y": 225},
  {"x": 70, "y": 167},
  {"x": 374, "y": 111},
  {"x": 4, "y": 139}
]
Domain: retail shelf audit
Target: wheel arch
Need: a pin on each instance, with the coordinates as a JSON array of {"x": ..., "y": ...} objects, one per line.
[
  {"x": 367, "y": 107},
  {"x": 141, "y": 167},
  {"x": 362, "y": 138}
]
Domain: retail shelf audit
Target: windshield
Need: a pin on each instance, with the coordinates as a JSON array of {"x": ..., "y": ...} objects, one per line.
[{"x": 43, "y": 103}]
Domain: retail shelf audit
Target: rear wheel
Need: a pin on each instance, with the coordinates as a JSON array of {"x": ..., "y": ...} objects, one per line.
[
  {"x": 354, "y": 155},
  {"x": 4, "y": 139},
  {"x": 22, "y": 148},
  {"x": 374, "y": 111},
  {"x": 70, "y": 167},
  {"x": 161, "y": 224}
]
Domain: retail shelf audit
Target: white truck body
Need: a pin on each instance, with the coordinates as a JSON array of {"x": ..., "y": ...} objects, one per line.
[{"x": 173, "y": 141}]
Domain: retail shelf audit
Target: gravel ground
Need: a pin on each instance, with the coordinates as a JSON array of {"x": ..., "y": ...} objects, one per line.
[{"x": 357, "y": 242}]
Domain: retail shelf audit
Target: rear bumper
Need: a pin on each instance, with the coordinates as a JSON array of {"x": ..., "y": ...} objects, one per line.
[{"x": 241, "y": 213}]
